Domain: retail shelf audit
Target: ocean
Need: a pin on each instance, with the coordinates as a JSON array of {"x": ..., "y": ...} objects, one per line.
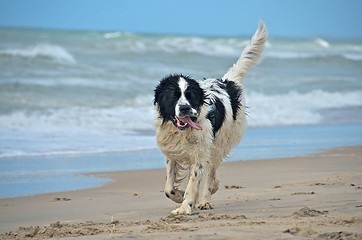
[{"x": 73, "y": 103}]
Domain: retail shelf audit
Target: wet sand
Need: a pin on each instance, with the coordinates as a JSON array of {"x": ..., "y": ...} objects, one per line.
[{"x": 311, "y": 197}]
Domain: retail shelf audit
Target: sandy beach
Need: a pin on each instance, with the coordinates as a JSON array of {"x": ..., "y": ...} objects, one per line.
[{"x": 311, "y": 197}]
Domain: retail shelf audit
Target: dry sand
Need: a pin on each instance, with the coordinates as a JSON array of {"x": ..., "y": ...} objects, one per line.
[{"x": 312, "y": 197}]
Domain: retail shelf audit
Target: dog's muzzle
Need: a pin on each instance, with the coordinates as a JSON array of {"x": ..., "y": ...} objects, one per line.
[
  {"x": 186, "y": 117},
  {"x": 183, "y": 122}
]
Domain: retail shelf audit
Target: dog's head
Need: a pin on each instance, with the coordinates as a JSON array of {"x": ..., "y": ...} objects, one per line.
[{"x": 179, "y": 99}]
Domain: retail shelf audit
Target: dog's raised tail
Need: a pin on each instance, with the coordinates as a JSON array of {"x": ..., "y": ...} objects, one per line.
[{"x": 250, "y": 56}]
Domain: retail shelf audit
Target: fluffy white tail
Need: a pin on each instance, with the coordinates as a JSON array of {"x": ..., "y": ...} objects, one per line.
[{"x": 250, "y": 56}]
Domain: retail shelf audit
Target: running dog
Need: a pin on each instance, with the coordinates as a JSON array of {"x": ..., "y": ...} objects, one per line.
[{"x": 198, "y": 123}]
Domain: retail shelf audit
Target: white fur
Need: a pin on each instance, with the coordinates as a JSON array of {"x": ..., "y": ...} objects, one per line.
[
  {"x": 250, "y": 56},
  {"x": 183, "y": 101},
  {"x": 198, "y": 152}
]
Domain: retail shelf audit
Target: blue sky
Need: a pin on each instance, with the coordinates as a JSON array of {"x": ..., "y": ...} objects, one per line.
[{"x": 284, "y": 18}]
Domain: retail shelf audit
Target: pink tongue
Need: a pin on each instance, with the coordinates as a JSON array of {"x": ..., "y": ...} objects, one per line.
[{"x": 191, "y": 123}]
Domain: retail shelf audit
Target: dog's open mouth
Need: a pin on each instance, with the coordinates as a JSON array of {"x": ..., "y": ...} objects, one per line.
[{"x": 183, "y": 122}]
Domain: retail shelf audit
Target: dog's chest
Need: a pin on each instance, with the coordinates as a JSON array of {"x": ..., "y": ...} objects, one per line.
[{"x": 182, "y": 146}]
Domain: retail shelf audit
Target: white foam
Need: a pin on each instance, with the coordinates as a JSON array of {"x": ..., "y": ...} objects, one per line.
[
  {"x": 228, "y": 47},
  {"x": 56, "y": 141},
  {"x": 43, "y": 50},
  {"x": 173, "y": 44},
  {"x": 138, "y": 113},
  {"x": 117, "y": 119},
  {"x": 322, "y": 43},
  {"x": 318, "y": 48},
  {"x": 66, "y": 81},
  {"x": 285, "y": 54},
  {"x": 353, "y": 56},
  {"x": 79, "y": 130},
  {"x": 210, "y": 47},
  {"x": 296, "y": 108},
  {"x": 112, "y": 35}
]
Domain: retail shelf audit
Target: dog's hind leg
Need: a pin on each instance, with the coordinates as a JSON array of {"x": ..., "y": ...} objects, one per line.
[
  {"x": 192, "y": 191},
  {"x": 210, "y": 187},
  {"x": 170, "y": 191}
]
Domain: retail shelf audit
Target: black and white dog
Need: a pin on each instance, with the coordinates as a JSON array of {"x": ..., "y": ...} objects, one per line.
[{"x": 198, "y": 122}]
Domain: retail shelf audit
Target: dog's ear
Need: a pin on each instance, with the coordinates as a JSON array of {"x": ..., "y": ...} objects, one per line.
[
  {"x": 160, "y": 88},
  {"x": 157, "y": 94},
  {"x": 170, "y": 82}
]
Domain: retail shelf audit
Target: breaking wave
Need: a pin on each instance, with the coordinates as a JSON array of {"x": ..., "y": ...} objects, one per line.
[
  {"x": 117, "y": 128},
  {"x": 295, "y": 108},
  {"x": 138, "y": 114},
  {"x": 229, "y": 47},
  {"x": 41, "y": 50}
]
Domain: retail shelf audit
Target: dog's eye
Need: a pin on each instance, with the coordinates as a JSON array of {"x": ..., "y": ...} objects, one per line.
[
  {"x": 188, "y": 95},
  {"x": 171, "y": 94},
  {"x": 194, "y": 97}
]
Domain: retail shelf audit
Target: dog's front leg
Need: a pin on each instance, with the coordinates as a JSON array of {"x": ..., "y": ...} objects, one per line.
[
  {"x": 210, "y": 187},
  {"x": 192, "y": 191},
  {"x": 170, "y": 191}
]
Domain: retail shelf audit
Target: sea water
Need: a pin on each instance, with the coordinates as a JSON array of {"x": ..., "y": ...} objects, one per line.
[{"x": 73, "y": 103}]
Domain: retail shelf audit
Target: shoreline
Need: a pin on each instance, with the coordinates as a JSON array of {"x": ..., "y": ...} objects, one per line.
[
  {"x": 31, "y": 175},
  {"x": 287, "y": 197}
]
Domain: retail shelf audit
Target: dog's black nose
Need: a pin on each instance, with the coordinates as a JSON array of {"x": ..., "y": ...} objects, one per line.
[{"x": 185, "y": 108}]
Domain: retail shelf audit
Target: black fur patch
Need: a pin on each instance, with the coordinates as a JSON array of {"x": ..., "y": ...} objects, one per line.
[
  {"x": 216, "y": 115},
  {"x": 167, "y": 92},
  {"x": 235, "y": 93},
  {"x": 194, "y": 94}
]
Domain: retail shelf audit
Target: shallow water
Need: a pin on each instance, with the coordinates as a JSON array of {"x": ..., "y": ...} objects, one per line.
[{"x": 29, "y": 175}]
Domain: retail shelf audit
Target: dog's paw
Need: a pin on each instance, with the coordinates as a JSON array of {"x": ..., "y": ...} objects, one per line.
[
  {"x": 205, "y": 206},
  {"x": 183, "y": 210},
  {"x": 175, "y": 195},
  {"x": 215, "y": 187}
]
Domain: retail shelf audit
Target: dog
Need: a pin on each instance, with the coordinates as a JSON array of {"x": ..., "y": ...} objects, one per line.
[{"x": 198, "y": 123}]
